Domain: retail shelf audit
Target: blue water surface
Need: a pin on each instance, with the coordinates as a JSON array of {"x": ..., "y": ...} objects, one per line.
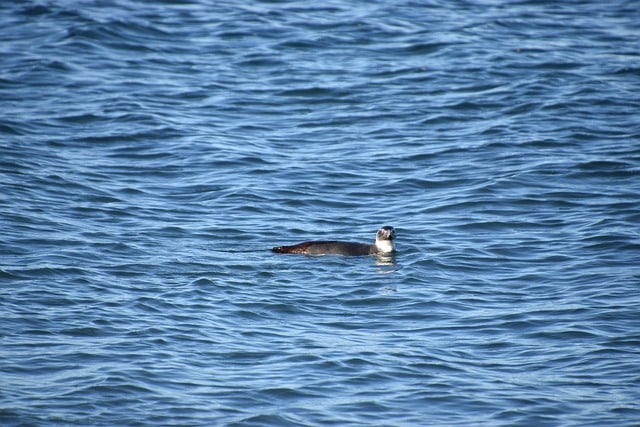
[{"x": 151, "y": 154}]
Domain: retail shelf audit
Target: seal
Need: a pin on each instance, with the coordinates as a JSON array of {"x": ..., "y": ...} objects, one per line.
[{"x": 383, "y": 245}]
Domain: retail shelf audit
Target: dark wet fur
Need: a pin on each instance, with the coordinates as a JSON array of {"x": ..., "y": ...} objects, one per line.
[{"x": 328, "y": 248}]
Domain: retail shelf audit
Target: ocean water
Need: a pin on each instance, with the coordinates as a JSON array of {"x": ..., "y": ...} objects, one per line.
[{"x": 151, "y": 154}]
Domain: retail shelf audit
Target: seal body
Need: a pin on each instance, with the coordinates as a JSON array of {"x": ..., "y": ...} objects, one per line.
[
  {"x": 383, "y": 245},
  {"x": 327, "y": 247}
]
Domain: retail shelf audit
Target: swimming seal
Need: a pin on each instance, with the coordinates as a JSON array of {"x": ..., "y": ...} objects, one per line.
[{"x": 383, "y": 245}]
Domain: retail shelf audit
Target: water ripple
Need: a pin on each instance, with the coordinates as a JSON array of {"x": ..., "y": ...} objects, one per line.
[{"x": 151, "y": 156}]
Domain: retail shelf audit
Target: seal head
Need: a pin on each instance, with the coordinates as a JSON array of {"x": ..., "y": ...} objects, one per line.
[{"x": 384, "y": 240}]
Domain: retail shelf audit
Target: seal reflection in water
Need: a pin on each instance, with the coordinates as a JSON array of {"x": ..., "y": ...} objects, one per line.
[{"x": 382, "y": 246}]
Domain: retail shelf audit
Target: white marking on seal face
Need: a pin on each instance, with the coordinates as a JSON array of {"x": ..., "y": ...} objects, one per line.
[{"x": 384, "y": 239}]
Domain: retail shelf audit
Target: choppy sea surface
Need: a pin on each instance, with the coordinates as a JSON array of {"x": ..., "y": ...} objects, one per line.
[{"x": 151, "y": 154}]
